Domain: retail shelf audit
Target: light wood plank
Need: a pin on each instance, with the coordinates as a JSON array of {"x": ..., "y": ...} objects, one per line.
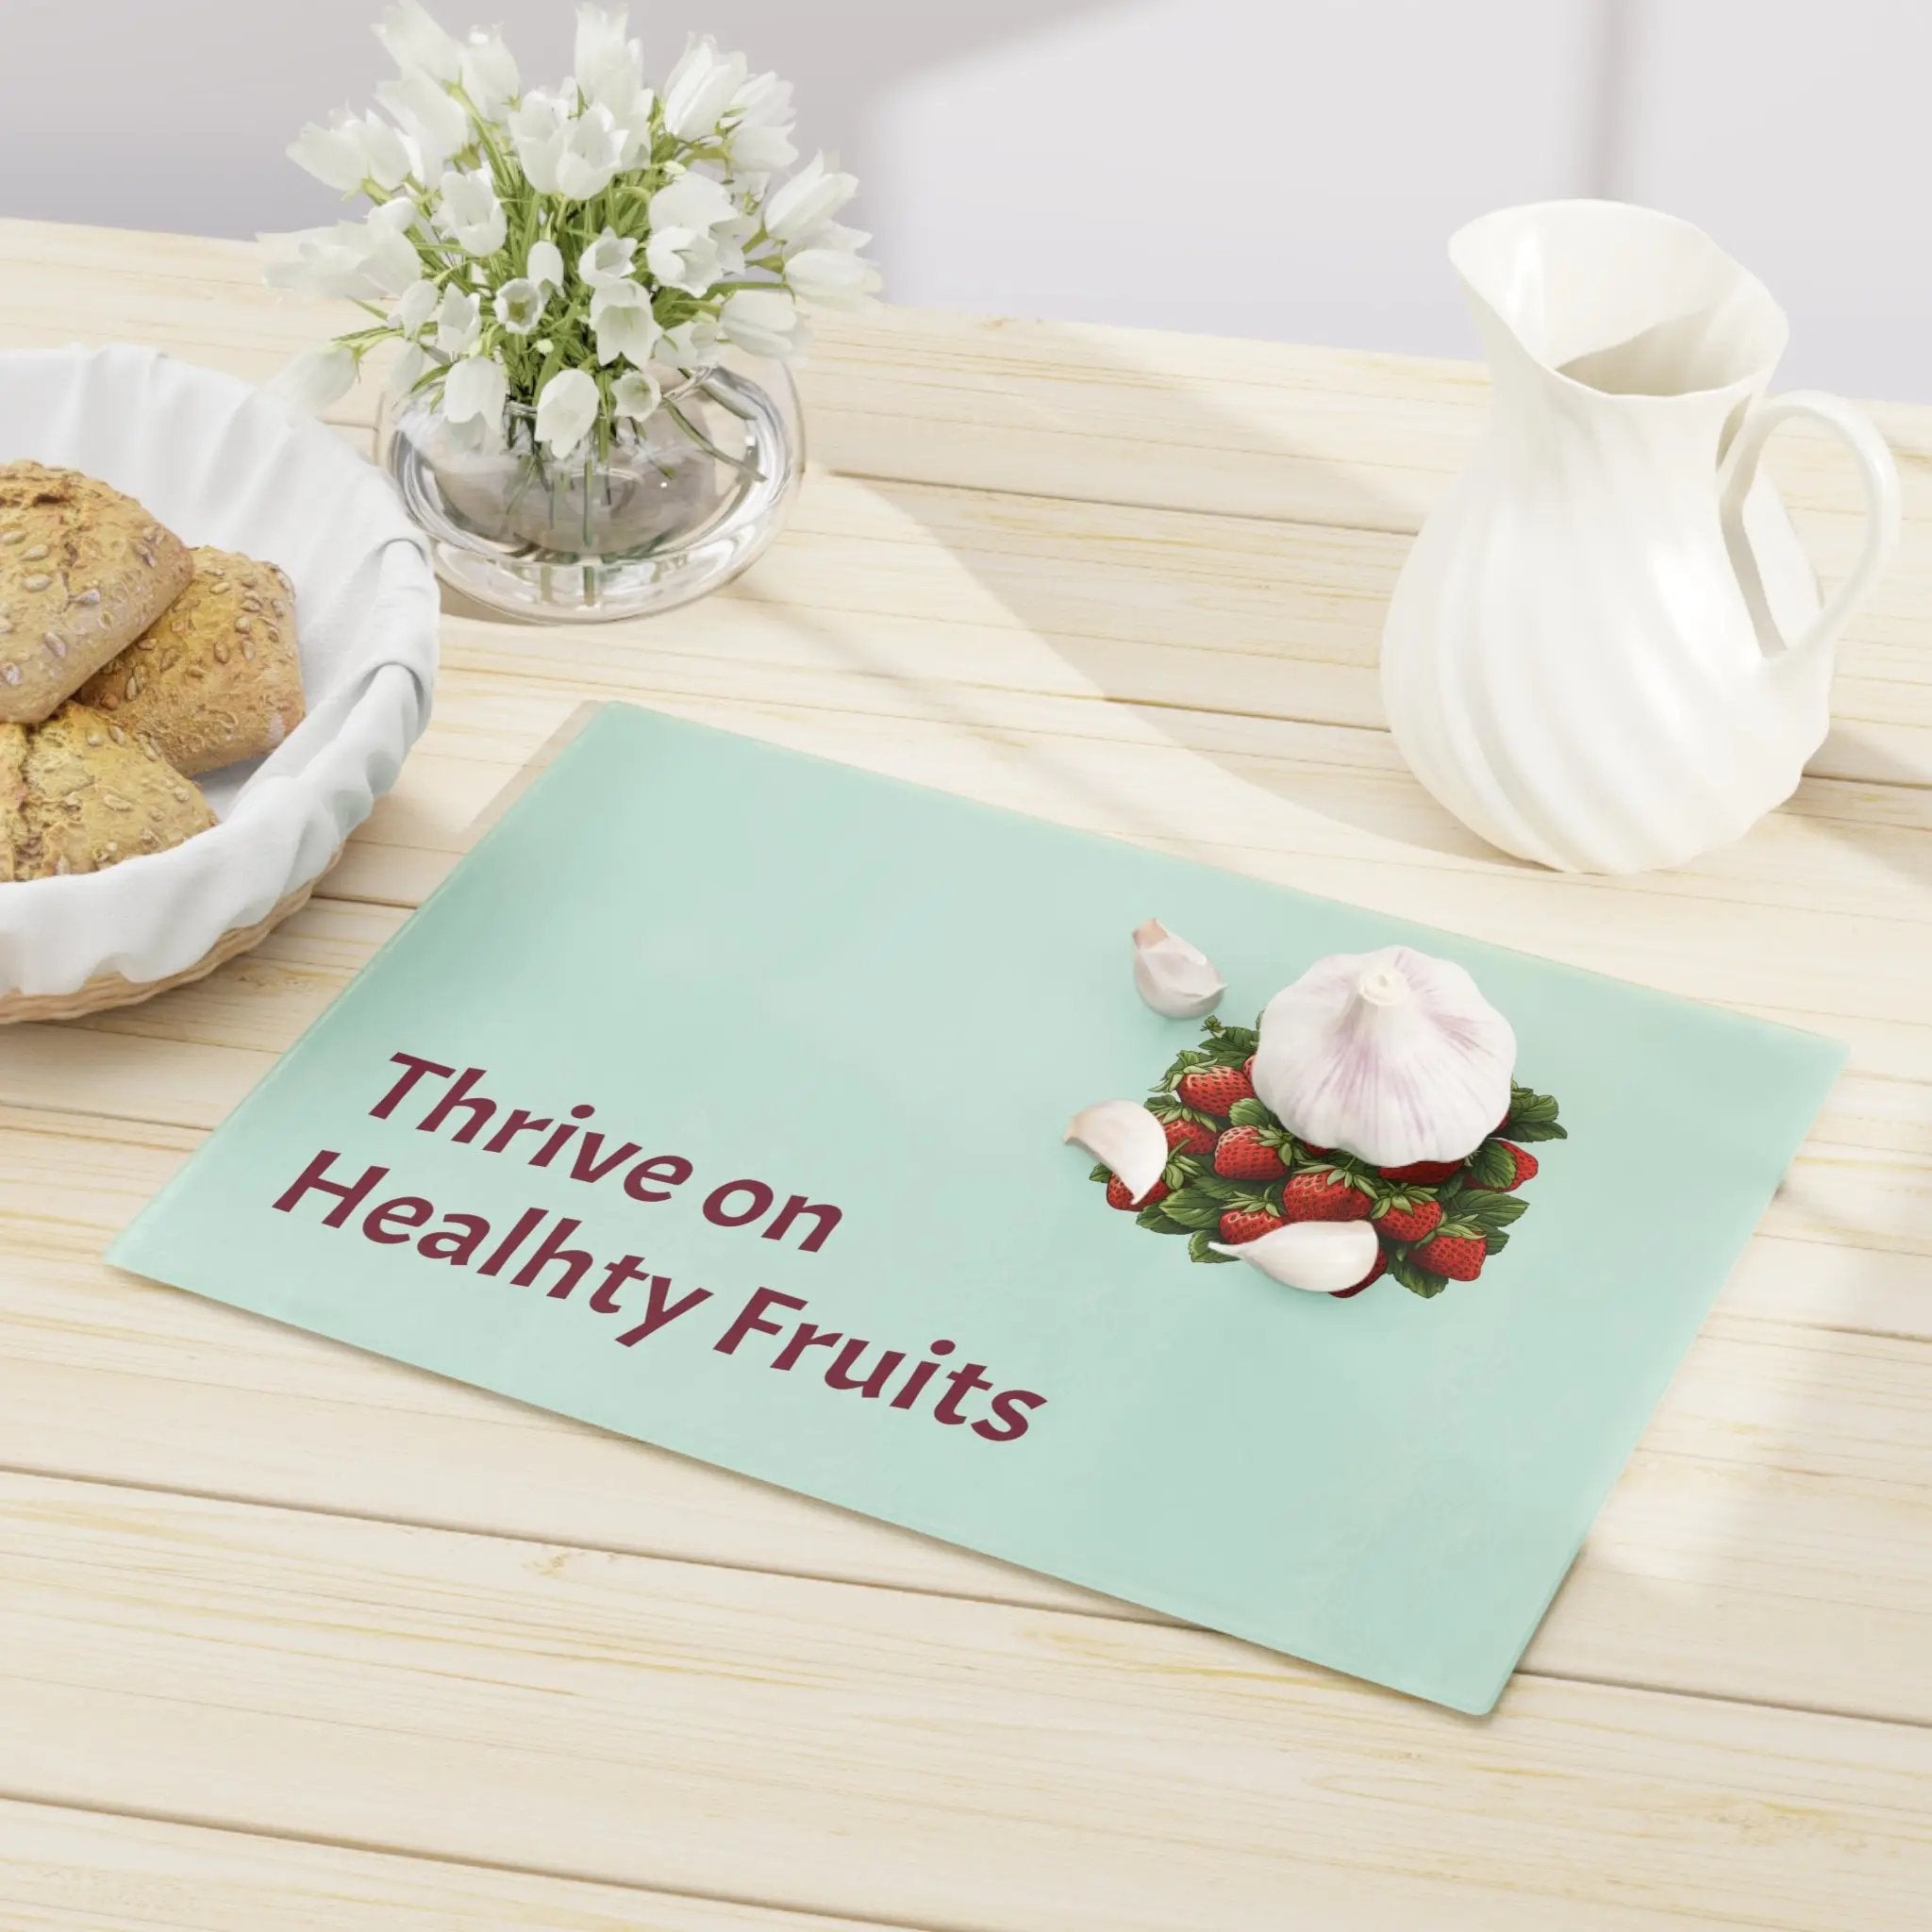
[
  {"x": 1284, "y": 620},
  {"x": 877, "y": 1754},
  {"x": 1073, "y": 409},
  {"x": 65, "y": 1870},
  {"x": 1773, "y": 1540}
]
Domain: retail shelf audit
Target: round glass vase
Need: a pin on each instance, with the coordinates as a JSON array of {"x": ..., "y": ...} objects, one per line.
[{"x": 667, "y": 510}]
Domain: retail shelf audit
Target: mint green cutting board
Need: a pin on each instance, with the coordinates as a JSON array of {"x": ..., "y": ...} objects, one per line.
[{"x": 890, "y": 1001}]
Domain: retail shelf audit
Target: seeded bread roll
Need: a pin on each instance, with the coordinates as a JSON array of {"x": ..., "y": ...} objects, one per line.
[
  {"x": 79, "y": 794},
  {"x": 83, "y": 571},
  {"x": 216, "y": 676}
]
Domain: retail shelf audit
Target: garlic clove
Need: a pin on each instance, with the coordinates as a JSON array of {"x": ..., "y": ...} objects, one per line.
[
  {"x": 1121, "y": 1135},
  {"x": 1175, "y": 978},
  {"x": 1318, "y": 1255},
  {"x": 1395, "y": 1057}
]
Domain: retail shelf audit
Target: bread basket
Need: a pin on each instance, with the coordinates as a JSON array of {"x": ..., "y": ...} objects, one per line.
[{"x": 222, "y": 463}]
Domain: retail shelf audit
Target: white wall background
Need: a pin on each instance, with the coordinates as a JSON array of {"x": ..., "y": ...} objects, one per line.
[{"x": 1285, "y": 168}]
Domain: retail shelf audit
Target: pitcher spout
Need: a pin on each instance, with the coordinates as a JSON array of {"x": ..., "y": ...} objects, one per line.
[{"x": 1616, "y": 301}]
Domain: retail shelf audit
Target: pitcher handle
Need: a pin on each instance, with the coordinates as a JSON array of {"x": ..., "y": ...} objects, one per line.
[{"x": 1876, "y": 471}]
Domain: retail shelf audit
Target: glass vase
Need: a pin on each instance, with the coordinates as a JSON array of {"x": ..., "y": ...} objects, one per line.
[{"x": 665, "y": 512}]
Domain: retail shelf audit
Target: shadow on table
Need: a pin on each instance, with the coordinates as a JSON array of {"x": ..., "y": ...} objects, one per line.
[{"x": 1250, "y": 599}]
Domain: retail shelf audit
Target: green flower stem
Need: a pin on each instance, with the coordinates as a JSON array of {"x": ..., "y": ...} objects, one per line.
[{"x": 562, "y": 336}]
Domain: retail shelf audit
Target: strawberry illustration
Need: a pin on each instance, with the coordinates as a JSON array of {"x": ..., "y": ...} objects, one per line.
[
  {"x": 1424, "y": 1173},
  {"x": 1407, "y": 1218},
  {"x": 1341, "y": 1295},
  {"x": 1525, "y": 1166},
  {"x": 1248, "y": 1224},
  {"x": 1214, "y": 1089},
  {"x": 1241, "y": 1154},
  {"x": 1319, "y": 1193},
  {"x": 1236, "y": 1173},
  {"x": 1460, "y": 1256}
]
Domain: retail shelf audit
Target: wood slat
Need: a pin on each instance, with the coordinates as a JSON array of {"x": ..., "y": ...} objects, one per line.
[
  {"x": 1072, "y": 410},
  {"x": 873, "y": 1753},
  {"x": 1222, "y": 610},
  {"x": 1772, "y": 1540},
  {"x": 65, "y": 1870}
]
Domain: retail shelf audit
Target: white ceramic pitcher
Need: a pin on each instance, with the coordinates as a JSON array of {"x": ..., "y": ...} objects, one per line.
[{"x": 1606, "y": 651}]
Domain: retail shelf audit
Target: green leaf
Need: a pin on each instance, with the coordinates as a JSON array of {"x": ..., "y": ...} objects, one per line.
[
  {"x": 1217, "y": 1186},
  {"x": 1227, "y": 1046},
  {"x": 1417, "y": 1280},
  {"x": 1495, "y": 1243},
  {"x": 1487, "y": 1213},
  {"x": 1491, "y": 1165},
  {"x": 1250, "y": 1113},
  {"x": 1532, "y": 1117},
  {"x": 1193, "y": 1212},
  {"x": 1155, "y": 1220},
  {"x": 1198, "y": 1249},
  {"x": 1100, "y": 1172}
]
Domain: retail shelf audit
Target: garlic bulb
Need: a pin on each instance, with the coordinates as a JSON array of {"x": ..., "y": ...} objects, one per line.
[
  {"x": 1319, "y": 1256},
  {"x": 1393, "y": 1057},
  {"x": 1175, "y": 978},
  {"x": 1123, "y": 1136}
]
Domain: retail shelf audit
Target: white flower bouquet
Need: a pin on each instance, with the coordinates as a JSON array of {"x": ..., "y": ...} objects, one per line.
[{"x": 568, "y": 261}]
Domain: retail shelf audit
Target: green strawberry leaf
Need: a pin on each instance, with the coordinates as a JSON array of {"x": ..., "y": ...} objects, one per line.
[
  {"x": 1217, "y": 1186},
  {"x": 1491, "y": 1165},
  {"x": 1532, "y": 1117},
  {"x": 1100, "y": 1172},
  {"x": 1193, "y": 1212},
  {"x": 1250, "y": 1113},
  {"x": 1495, "y": 1243},
  {"x": 1488, "y": 1213},
  {"x": 1198, "y": 1249},
  {"x": 1155, "y": 1220},
  {"x": 1417, "y": 1280}
]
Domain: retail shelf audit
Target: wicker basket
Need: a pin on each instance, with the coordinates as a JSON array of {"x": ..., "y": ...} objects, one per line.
[{"x": 110, "y": 989}]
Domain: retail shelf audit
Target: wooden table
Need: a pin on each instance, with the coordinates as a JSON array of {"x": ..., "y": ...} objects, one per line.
[{"x": 293, "y": 1638}]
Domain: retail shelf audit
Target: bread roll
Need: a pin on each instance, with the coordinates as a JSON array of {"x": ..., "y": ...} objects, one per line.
[
  {"x": 80, "y": 792},
  {"x": 83, "y": 571},
  {"x": 216, "y": 676}
]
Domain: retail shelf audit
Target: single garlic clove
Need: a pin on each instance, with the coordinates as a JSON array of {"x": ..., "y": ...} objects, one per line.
[
  {"x": 1175, "y": 978},
  {"x": 1318, "y": 1255},
  {"x": 1395, "y": 1057},
  {"x": 1121, "y": 1135}
]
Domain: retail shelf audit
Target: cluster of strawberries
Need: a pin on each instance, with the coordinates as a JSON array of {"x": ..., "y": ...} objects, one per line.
[{"x": 1235, "y": 1173}]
